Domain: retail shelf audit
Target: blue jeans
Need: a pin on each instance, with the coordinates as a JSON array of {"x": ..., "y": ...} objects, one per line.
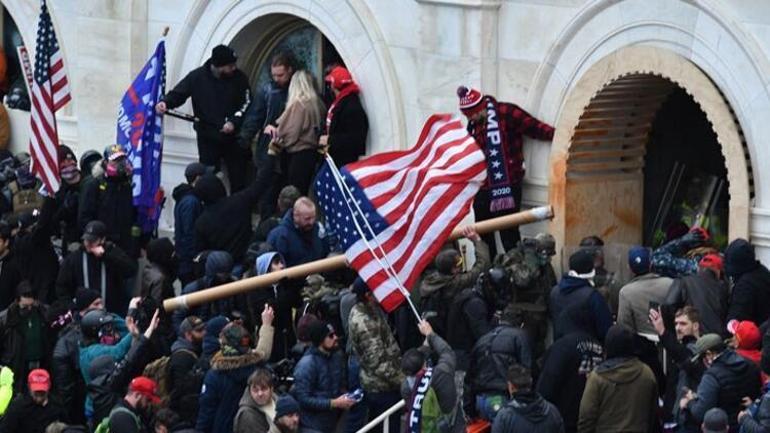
[{"x": 487, "y": 405}]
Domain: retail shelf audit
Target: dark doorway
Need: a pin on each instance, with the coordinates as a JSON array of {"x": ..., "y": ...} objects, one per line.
[{"x": 685, "y": 177}]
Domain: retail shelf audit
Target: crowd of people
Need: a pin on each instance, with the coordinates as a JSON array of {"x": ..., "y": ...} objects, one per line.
[{"x": 503, "y": 344}]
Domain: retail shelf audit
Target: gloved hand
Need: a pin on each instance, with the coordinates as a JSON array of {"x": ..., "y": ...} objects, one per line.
[{"x": 696, "y": 236}]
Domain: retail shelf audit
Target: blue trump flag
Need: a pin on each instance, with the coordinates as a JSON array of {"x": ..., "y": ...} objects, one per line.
[{"x": 140, "y": 132}]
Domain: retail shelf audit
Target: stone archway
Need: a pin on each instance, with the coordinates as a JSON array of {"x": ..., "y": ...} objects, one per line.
[{"x": 596, "y": 160}]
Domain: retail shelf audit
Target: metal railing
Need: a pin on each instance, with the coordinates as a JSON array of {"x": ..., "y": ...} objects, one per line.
[{"x": 383, "y": 419}]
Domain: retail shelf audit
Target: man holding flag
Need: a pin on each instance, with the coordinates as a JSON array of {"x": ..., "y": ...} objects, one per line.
[
  {"x": 50, "y": 92},
  {"x": 140, "y": 133}
]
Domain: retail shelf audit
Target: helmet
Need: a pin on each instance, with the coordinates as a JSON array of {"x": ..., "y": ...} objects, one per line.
[
  {"x": 546, "y": 243},
  {"x": 88, "y": 159},
  {"x": 93, "y": 322}
]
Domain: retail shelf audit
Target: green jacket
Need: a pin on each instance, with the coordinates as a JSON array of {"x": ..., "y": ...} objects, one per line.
[{"x": 376, "y": 349}]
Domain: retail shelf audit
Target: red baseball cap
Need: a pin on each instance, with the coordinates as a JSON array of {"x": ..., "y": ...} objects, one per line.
[
  {"x": 39, "y": 380},
  {"x": 145, "y": 386},
  {"x": 746, "y": 332},
  {"x": 713, "y": 262}
]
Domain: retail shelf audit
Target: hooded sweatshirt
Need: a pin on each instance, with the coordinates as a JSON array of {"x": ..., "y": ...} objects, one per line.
[
  {"x": 751, "y": 290},
  {"x": 566, "y": 366},
  {"x": 187, "y": 208},
  {"x": 574, "y": 292},
  {"x": 528, "y": 412},
  {"x": 217, "y": 264},
  {"x": 604, "y": 406},
  {"x": 252, "y": 418}
]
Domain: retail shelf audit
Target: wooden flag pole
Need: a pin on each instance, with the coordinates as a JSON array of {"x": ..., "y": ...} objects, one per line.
[{"x": 336, "y": 262}]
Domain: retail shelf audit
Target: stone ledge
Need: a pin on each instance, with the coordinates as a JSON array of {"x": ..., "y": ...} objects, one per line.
[{"x": 471, "y": 4}]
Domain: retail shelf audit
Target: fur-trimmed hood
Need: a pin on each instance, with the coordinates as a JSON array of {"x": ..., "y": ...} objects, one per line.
[{"x": 222, "y": 362}]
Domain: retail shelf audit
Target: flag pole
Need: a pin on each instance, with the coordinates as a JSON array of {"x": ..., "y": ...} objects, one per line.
[{"x": 337, "y": 262}]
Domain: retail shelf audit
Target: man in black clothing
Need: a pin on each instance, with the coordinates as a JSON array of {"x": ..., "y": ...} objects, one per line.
[
  {"x": 32, "y": 412},
  {"x": 527, "y": 412},
  {"x": 220, "y": 96},
  {"x": 750, "y": 296},
  {"x": 705, "y": 291},
  {"x": 683, "y": 373},
  {"x": 225, "y": 223},
  {"x": 10, "y": 274},
  {"x": 34, "y": 252},
  {"x": 346, "y": 121},
  {"x": 501, "y": 347},
  {"x": 183, "y": 382},
  {"x": 98, "y": 265},
  {"x": 127, "y": 415}
]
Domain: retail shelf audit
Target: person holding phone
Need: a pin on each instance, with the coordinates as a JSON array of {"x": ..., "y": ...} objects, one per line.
[{"x": 646, "y": 291}]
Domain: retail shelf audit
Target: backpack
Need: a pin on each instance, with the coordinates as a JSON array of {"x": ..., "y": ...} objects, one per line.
[
  {"x": 157, "y": 370},
  {"x": 104, "y": 425},
  {"x": 25, "y": 200}
]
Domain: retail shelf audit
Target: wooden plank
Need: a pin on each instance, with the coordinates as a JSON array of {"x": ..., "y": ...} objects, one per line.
[
  {"x": 576, "y": 166},
  {"x": 592, "y": 141},
  {"x": 619, "y": 153},
  {"x": 609, "y": 132}
]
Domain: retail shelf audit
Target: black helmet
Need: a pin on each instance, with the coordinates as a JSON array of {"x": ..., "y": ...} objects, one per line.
[
  {"x": 93, "y": 322},
  {"x": 87, "y": 161}
]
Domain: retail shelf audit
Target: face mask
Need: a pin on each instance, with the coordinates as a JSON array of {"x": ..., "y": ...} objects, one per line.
[{"x": 119, "y": 168}]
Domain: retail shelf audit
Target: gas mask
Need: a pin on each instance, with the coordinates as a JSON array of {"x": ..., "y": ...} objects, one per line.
[
  {"x": 108, "y": 336},
  {"x": 119, "y": 169}
]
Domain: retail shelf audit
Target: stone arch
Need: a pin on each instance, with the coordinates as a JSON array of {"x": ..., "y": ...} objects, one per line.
[
  {"x": 350, "y": 27},
  {"x": 630, "y": 84}
]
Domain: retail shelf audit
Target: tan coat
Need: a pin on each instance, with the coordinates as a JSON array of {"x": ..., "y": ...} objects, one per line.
[{"x": 297, "y": 128}]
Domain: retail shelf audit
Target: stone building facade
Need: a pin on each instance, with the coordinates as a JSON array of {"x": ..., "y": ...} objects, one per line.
[{"x": 598, "y": 70}]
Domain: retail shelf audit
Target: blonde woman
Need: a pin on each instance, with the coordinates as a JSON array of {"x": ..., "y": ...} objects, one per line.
[{"x": 296, "y": 136}]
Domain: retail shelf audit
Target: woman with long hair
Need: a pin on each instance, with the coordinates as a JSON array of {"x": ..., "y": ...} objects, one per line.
[{"x": 296, "y": 136}]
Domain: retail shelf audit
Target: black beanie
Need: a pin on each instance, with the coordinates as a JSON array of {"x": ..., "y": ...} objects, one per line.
[
  {"x": 318, "y": 331},
  {"x": 619, "y": 342},
  {"x": 222, "y": 55},
  {"x": 581, "y": 261},
  {"x": 84, "y": 298}
]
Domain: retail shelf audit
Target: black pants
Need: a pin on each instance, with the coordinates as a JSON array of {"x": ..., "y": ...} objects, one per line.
[
  {"x": 213, "y": 150},
  {"x": 510, "y": 237},
  {"x": 301, "y": 168}
]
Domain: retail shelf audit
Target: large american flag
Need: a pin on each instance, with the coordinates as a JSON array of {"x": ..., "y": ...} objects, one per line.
[
  {"x": 50, "y": 91},
  {"x": 412, "y": 200}
]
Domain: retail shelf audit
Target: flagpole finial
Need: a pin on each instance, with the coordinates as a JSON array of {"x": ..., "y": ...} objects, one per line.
[{"x": 165, "y": 31}]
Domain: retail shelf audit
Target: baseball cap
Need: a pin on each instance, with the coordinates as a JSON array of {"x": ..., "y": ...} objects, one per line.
[
  {"x": 191, "y": 323},
  {"x": 39, "y": 380},
  {"x": 94, "y": 230},
  {"x": 706, "y": 343},
  {"x": 746, "y": 332},
  {"x": 639, "y": 260},
  {"x": 194, "y": 169},
  {"x": 146, "y": 387},
  {"x": 715, "y": 421}
]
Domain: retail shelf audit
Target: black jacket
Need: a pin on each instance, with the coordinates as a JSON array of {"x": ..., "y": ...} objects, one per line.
[
  {"x": 571, "y": 293},
  {"x": 751, "y": 292},
  {"x": 68, "y": 384},
  {"x": 566, "y": 365},
  {"x": 225, "y": 223},
  {"x": 470, "y": 319},
  {"x": 493, "y": 354},
  {"x": 187, "y": 208},
  {"x": 269, "y": 102},
  {"x": 66, "y": 216},
  {"x": 108, "y": 386},
  {"x": 704, "y": 292},
  {"x": 348, "y": 130},
  {"x": 729, "y": 379},
  {"x": 24, "y": 415},
  {"x": 528, "y": 412},
  {"x": 185, "y": 377},
  {"x": 214, "y": 100},
  {"x": 110, "y": 201},
  {"x": 118, "y": 266},
  {"x": 121, "y": 421},
  {"x": 10, "y": 277},
  {"x": 35, "y": 255},
  {"x": 13, "y": 344}
]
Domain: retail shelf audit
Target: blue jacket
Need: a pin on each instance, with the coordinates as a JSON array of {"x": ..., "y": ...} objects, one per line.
[
  {"x": 222, "y": 390},
  {"x": 296, "y": 247},
  {"x": 318, "y": 380},
  {"x": 573, "y": 292},
  {"x": 186, "y": 211}
]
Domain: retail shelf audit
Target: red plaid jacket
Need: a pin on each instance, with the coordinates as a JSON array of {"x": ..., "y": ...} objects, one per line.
[{"x": 514, "y": 124}]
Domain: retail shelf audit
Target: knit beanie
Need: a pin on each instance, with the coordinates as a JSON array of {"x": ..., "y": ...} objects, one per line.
[
  {"x": 235, "y": 340},
  {"x": 223, "y": 55},
  {"x": 286, "y": 405},
  {"x": 84, "y": 298},
  {"x": 319, "y": 331},
  {"x": 582, "y": 263},
  {"x": 739, "y": 258},
  {"x": 470, "y": 100}
]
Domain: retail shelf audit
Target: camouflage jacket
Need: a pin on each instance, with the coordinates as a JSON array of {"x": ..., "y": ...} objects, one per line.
[
  {"x": 532, "y": 282},
  {"x": 376, "y": 349}
]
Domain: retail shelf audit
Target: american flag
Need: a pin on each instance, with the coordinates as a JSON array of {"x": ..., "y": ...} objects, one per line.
[
  {"x": 50, "y": 91},
  {"x": 412, "y": 200}
]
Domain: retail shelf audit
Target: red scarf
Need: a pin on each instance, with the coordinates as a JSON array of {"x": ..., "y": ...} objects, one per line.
[{"x": 347, "y": 90}]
